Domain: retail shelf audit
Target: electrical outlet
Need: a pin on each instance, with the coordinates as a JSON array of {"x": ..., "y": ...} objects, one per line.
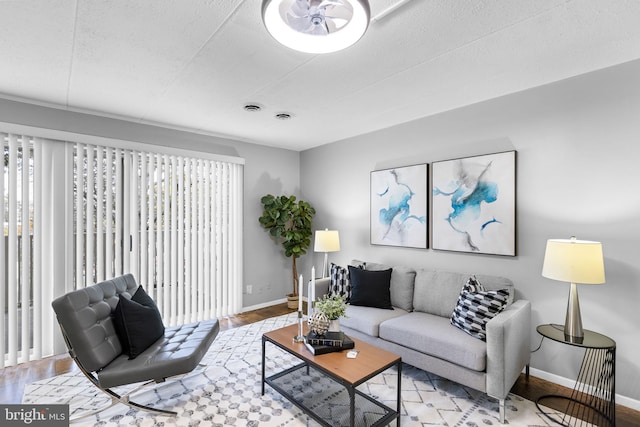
[{"x": 249, "y": 289}]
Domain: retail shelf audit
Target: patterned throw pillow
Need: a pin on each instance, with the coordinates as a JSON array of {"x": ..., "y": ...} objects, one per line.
[
  {"x": 476, "y": 306},
  {"x": 340, "y": 284},
  {"x": 473, "y": 285}
]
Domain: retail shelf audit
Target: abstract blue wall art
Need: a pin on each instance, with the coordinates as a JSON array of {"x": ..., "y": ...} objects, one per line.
[
  {"x": 474, "y": 204},
  {"x": 399, "y": 206}
]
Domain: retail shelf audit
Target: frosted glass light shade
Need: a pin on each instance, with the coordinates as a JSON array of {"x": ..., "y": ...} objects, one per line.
[
  {"x": 574, "y": 261},
  {"x": 327, "y": 241},
  {"x": 274, "y": 16}
]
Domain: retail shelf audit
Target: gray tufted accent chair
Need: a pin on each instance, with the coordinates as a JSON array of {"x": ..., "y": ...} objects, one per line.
[{"x": 85, "y": 319}]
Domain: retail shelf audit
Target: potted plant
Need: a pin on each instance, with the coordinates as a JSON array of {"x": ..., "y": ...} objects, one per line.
[
  {"x": 334, "y": 307},
  {"x": 288, "y": 221}
]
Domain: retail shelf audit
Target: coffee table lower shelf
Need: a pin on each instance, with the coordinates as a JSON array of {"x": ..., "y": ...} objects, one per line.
[{"x": 338, "y": 404}]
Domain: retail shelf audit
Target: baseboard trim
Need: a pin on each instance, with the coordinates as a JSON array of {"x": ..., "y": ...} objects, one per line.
[
  {"x": 569, "y": 383},
  {"x": 263, "y": 305}
]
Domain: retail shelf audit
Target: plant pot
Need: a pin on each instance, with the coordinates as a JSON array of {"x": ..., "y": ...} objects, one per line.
[
  {"x": 334, "y": 325},
  {"x": 292, "y": 301}
]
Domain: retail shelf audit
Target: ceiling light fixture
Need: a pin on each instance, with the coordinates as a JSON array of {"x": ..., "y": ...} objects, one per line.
[{"x": 316, "y": 26}]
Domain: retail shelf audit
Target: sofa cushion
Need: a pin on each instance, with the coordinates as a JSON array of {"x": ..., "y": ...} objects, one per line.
[
  {"x": 370, "y": 288},
  {"x": 402, "y": 281},
  {"x": 476, "y": 306},
  {"x": 436, "y": 336},
  {"x": 87, "y": 314},
  {"x": 437, "y": 292},
  {"x": 179, "y": 351},
  {"x": 138, "y": 322},
  {"x": 367, "y": 319}
]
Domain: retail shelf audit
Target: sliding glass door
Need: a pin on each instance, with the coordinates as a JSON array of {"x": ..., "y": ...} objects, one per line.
[
  {"x": 173, "y": 221},
  {"x": 75, "y": 214}
]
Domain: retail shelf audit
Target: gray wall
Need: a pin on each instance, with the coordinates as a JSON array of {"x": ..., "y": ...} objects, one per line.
[
  {"x": 578, "y": 150},
  {"x": 266, "y": 170},
  {"x": 578, "y": 145}
]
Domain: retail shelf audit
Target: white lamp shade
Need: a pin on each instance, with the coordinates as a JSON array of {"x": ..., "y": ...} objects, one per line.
[
  {"x": 574, "y": 261},
  {"x": 274, "y": 14},
  {"x": 327, "y": 241}
]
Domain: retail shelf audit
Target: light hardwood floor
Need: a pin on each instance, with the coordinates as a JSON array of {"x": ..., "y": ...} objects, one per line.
[{"x": 13, "y": 379}]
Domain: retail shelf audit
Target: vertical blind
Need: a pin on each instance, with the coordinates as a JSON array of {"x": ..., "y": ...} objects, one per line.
[
  {"x": 174, "y": 221},
  {"x": 21, "y": 250}
]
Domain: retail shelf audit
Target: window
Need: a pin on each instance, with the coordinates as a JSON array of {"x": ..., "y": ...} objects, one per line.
[
  {"x": 171, "y": 220},
  {"x": 75, "y": 214}
]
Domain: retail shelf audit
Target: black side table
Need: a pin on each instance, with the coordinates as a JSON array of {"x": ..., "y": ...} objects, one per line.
[{"x": 593, "y": 398}]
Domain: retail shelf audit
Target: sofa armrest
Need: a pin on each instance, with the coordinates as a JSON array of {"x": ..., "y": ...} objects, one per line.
[
  {"x": 508, "y": 347},
  {"x": 322, "y": 287}
]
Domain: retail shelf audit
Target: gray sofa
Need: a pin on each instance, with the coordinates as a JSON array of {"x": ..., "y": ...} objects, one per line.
[{"x": 419, "y": 329}]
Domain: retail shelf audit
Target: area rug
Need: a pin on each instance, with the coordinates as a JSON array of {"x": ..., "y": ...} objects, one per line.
[{"x": 227, "y": 392}]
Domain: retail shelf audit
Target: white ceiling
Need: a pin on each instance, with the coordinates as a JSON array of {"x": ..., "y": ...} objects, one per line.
[{"x": 193, "y": 64}]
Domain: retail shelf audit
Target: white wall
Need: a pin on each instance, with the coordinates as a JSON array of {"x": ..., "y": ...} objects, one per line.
[
  {"x": 578, "y": 151},
  {"x": 266, "y": 170}
]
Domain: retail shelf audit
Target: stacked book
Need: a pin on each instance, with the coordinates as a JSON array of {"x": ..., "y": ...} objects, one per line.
[{"x": 327, "y": 343}]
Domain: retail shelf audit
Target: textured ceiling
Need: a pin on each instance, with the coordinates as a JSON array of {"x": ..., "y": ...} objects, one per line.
[{"x": 193, "y": 64}]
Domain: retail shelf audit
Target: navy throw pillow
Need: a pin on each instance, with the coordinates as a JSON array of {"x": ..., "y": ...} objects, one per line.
[
  {"x": 138, "y": 323},
  {"x": 370, "y": 288}
]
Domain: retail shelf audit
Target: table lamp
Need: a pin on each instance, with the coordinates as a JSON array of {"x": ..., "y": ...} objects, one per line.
[
  {"x": 326, "y": 241},
  {"x": 574, "y": 261}
]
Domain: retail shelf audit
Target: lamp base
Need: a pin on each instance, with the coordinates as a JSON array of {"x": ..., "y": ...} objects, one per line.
[
  {"x": 325, "y": 266},
  {"x": 573, "y": 331}
]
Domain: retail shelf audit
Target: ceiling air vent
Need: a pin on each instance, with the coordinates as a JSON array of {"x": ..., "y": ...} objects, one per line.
[
  {"x": 283, "y": 116},
  {"x": 252, "y": 107}
]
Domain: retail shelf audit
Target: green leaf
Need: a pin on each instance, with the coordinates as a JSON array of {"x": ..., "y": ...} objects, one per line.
[
  {"x": 288, "y": 222},
  {"x": 266, "y": 200}
]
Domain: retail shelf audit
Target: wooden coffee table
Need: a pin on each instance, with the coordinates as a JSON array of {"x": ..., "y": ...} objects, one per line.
[{"x": 337, "y": 371}]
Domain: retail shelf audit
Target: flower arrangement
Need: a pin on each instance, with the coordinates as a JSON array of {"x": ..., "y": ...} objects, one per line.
[{"x": 333, "y": 307}]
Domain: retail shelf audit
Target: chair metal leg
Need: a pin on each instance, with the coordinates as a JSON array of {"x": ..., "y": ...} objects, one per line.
[
  {"x": 117, "y": 398},
  {"x": 124, "y": 399},
  {"x": 501, "y": 403}
]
